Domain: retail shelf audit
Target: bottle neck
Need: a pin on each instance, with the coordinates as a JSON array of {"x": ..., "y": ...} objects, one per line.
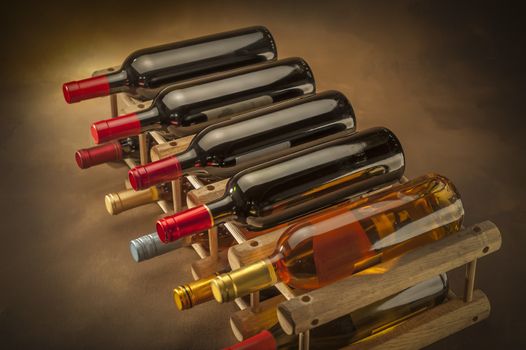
[
  {"x": 101, "y": 85},
  {"x": 187, "y": 160},
  {"x": 126, "y": 125},
  {"x": 129, "y": 146},
  {"x": 243, "y": 281},
  {"x": 118, "y": 81},
  {"x": 161, "y": 171},
  {"x": 222, "y": 210}
]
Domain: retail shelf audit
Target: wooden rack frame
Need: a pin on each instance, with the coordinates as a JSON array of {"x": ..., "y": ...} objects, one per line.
[{"x": 299, "y": 311}]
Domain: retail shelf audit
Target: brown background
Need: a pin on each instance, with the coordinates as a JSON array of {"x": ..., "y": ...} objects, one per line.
[{"x": 447, "y": 77}]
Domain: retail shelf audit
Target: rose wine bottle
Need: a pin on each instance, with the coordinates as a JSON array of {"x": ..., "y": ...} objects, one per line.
[
  {"x": 212, "y": 98},
  {"x": 118, "y": 202},
  {"x": 370, "y": 320},
  {"x": 337, "y": 243},
  {"x": 251, "y": 137},
  {"x": 352, "y": 163},
  {"x": 145, "y": 71}
]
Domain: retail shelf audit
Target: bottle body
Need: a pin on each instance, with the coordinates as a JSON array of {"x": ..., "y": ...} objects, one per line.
[
  {"x": 213, "y": 98},
  {"x": 348, "y": 165},
  {"x": 365, "y": 322},
  {"x": 337, "y": 243},
  {"x": 145, "y": 71},
  {"x": 252, "y": 137}
]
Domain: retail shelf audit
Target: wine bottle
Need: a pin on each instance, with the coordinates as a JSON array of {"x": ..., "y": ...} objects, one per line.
[
  {"x": 118, "y": 202},
  {"x": 257, "y": 134},
  {"x": 150, "y": 246},
  {"x": 212, "y": 98},
  {"x": 147, "y": 70},
  {"x": 352, "y": 163},
  {"x": 370, "y": 320},
  {"x": 338, "y": 243},
  {"x": 108, "y": 152}
]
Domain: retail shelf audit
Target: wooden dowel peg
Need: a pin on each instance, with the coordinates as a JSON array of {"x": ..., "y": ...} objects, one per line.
[
  {"x": 177, "y": 196},
  {"x": 113, "y": 105},
  {"x": 143, "y": 149},
  {"x": 469, "y": 286},
  {"x": 213, "y": 243},
  {"x": 304, "y": 340},
  {"x": 254, "y": 301}
]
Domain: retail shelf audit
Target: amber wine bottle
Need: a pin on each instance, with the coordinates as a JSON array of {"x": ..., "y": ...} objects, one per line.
[
  {"x": 250, "y": 137},
  {"x": 365, "y": 322},
  {"x": 213, "y": 98},
  {"x": 352, "y": 163},
  {"x": 147, "y": 70},
  {"x": 337, "y": 243}
]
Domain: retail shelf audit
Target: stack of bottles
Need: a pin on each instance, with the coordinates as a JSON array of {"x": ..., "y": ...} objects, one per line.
[{"x": 294, "y": 162}]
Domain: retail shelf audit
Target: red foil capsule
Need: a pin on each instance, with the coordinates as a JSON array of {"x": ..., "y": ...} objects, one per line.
[
  {"x": 185, "y": 223},
  {"x": 261, "y": 341},
  {"x": 116, "y": 128},
  {"x": 164, "y": 170},
  {"x": 75, "y": 91},
  {"x": 88, "y": 157}
]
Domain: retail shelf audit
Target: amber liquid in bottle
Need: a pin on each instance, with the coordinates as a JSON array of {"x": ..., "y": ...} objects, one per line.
[{"x": 336, "y": 243}]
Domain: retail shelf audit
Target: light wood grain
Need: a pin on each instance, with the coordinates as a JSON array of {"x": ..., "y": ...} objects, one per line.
[
  {"x": 345, "y": 296},
  {"x": 206, "y": 193},
  {"x": 127, "y": 104},
  {"x": 253, "y": 250},
  {"x": 246, "y": 323},
  {"x": 429, "y": 326},
  {"x": 208, "y": 266},
  {"x": 170, "y": 148}
]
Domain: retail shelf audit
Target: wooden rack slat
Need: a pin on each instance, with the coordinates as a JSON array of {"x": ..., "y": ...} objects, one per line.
[
  {"x": 170, "y": 148},
  {"x": 247, "y": 323},
  {"x": 429, "y": 326},
  {"x": 255, "y": 249},
  {"x": 345, "y": 296}
]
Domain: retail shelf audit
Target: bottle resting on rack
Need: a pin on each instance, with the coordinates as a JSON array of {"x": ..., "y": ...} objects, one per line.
[
  {"x": 351, "y": 164},
  {"x": 338, "y": 243},
  {"x": 149, "y": 246},
  {"x": 212, "y": 98},
  {"x": 252, "y": 136},
  {"x": 145, "y": 71},
  {"x": 370, "y": 320}
]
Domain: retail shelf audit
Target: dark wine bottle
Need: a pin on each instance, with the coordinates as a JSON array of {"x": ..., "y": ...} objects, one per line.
[
  {"x": 213, "y": 98},
  {"x": 370, "y": 320},
  {"x": 356, "y": 163},
  {"x": 145, "y": 71},
  {"x": 108, "y": 152},
  {"x": 255, "y": 135}
]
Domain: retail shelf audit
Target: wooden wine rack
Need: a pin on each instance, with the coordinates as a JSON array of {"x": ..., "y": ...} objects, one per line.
[{"x": 299, "y": 311}]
